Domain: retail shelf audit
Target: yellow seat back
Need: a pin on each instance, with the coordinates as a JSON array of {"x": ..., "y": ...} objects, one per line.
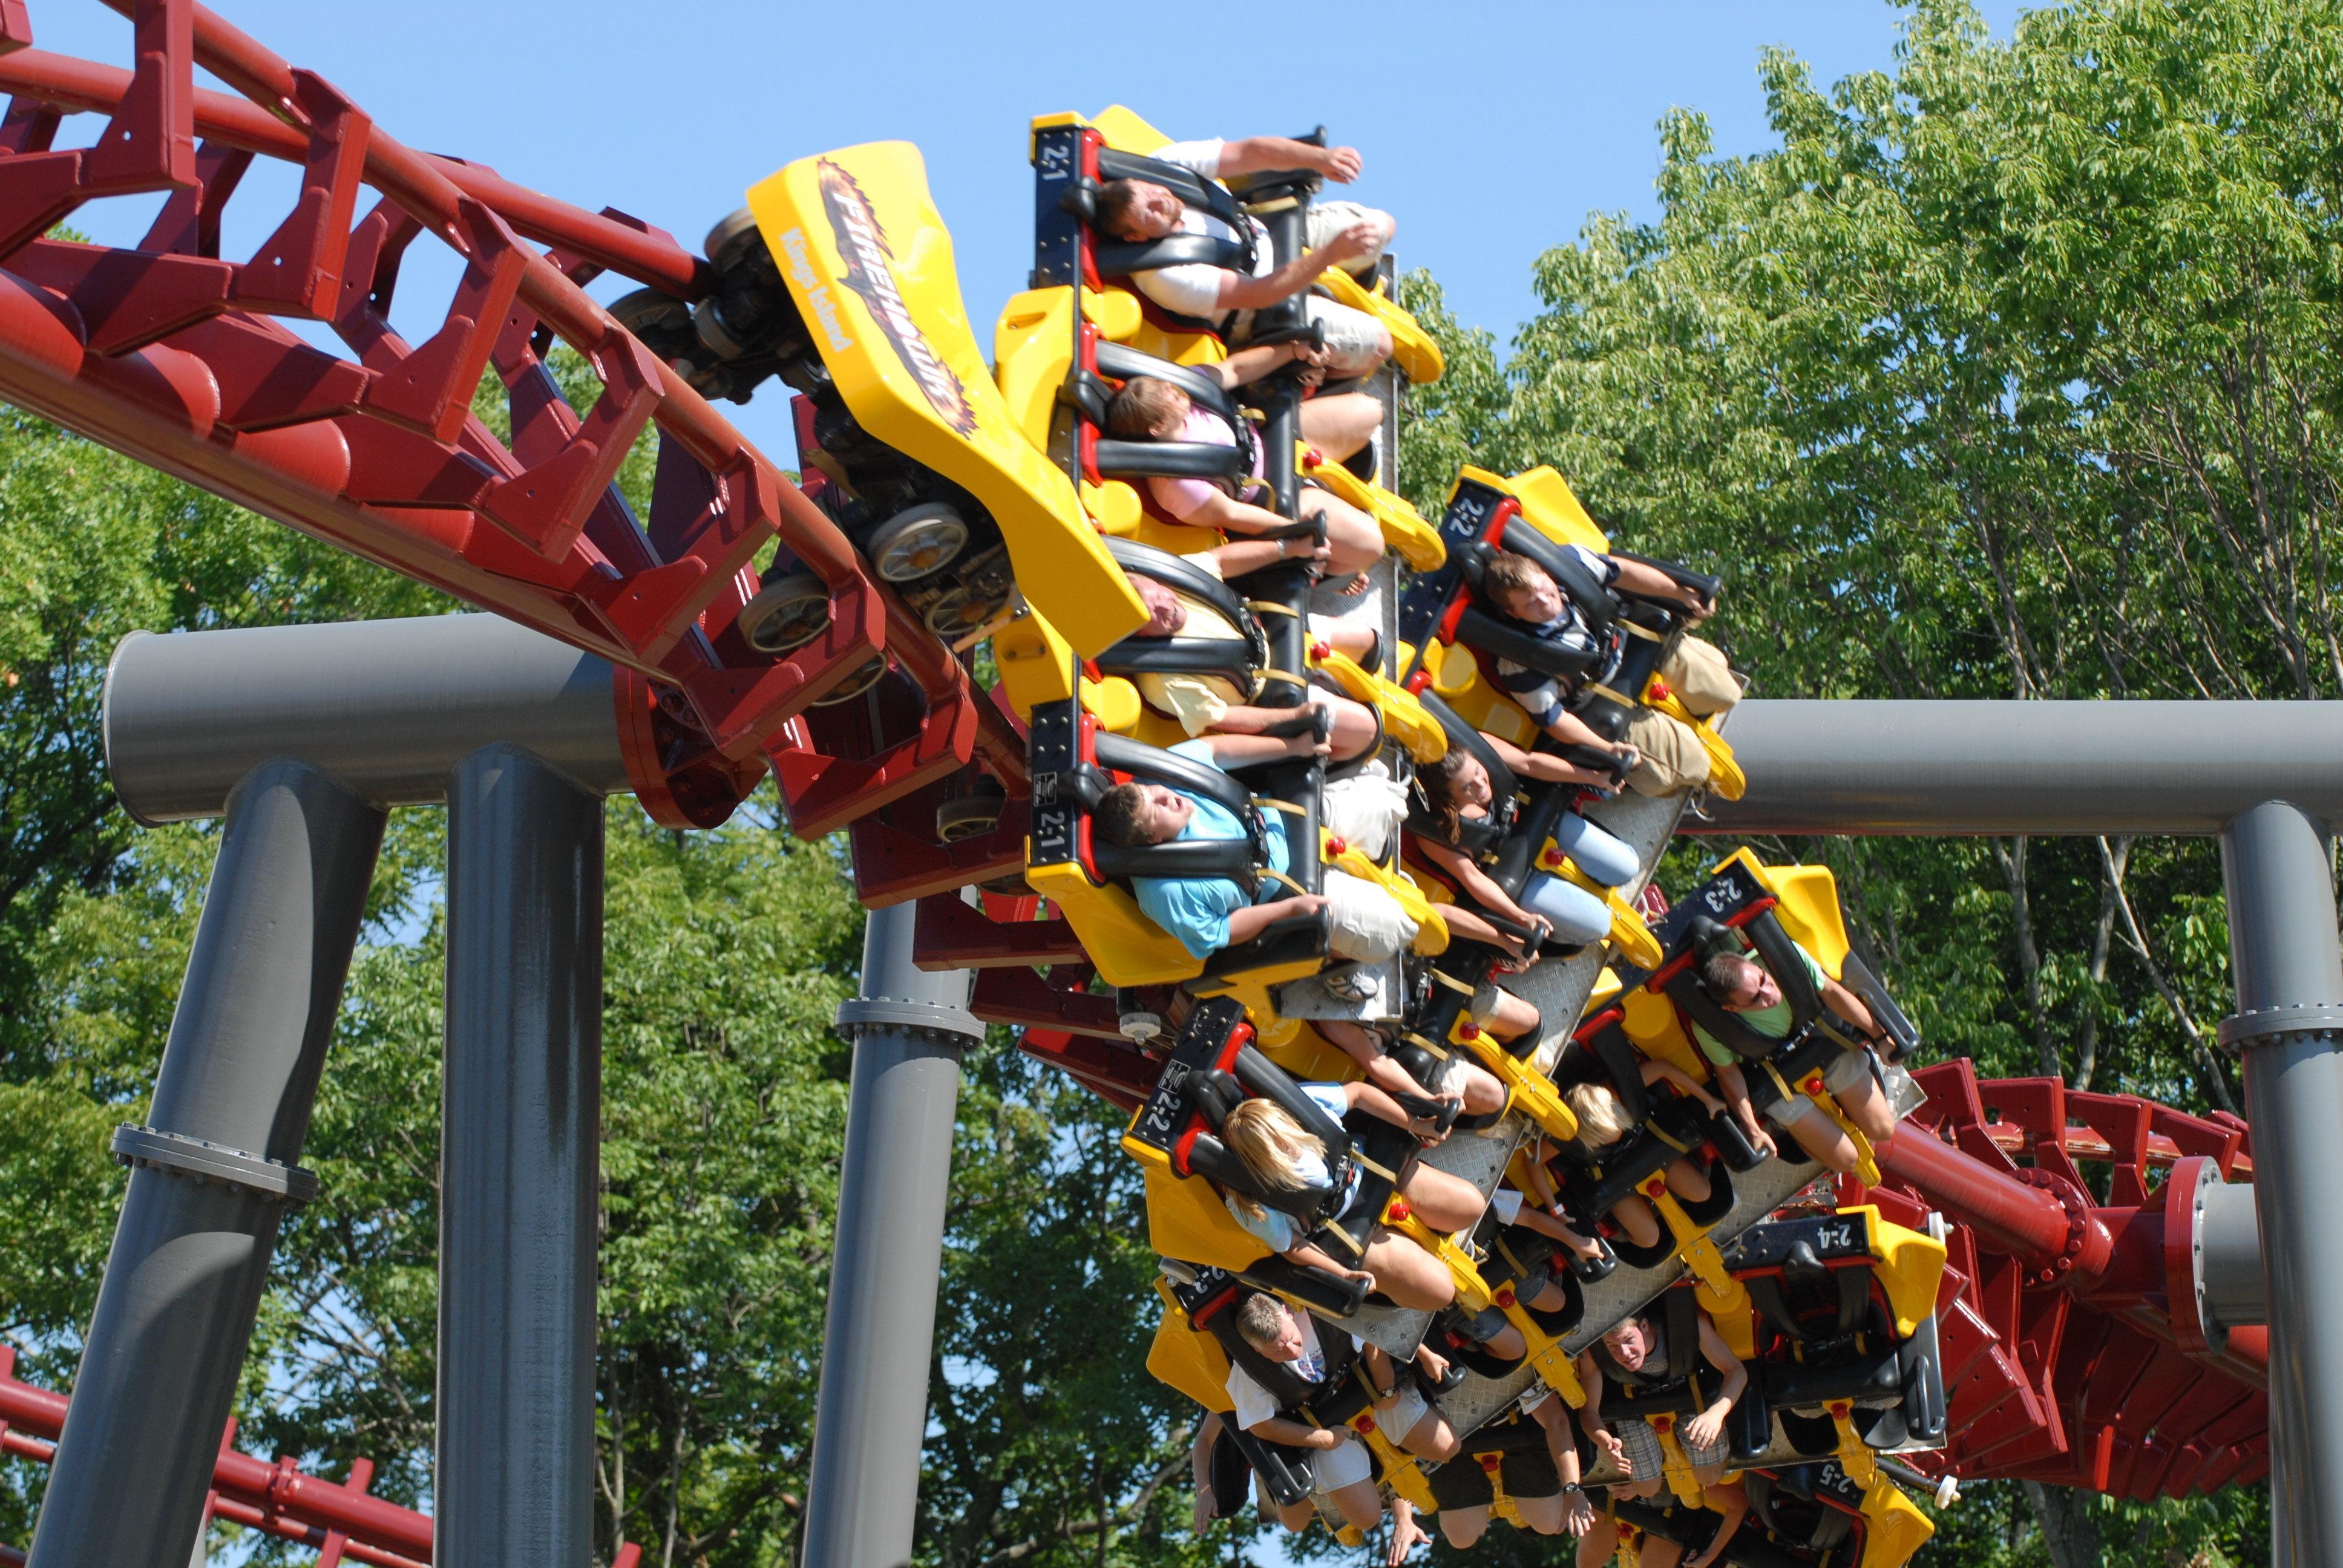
[
  {"x": 869, "y": 264},
  {"x": 1186, "y": 1218},
  {"x": 1552, "y": 508},
  {"x": 1185, "y": 1358},
  {"x": 1806, "y": 903}
]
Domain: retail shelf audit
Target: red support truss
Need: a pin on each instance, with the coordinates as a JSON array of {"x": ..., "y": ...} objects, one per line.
[
  {"x": 338, "y": 1519},
  {"x": 178, "y": 357},
  {"x": 2067, "y": 1324}
]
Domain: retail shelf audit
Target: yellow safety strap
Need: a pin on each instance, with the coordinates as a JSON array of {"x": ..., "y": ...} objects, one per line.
[
  {"x": 1286, "y": 676},
  {"x": 1362, "y": 1160},
  {"x": 1775, "y": 1074},
  {"x": 1271, "y": 607},
  {"x": 1280, "y": 805},
  {"x": 1642, "y": 631},
  {"x": 1599, "y": 689},
  {"x": 1439, "y": 1053},
  {"x": 1274, "y": 875},
  {"x": 1656, "y": 1131},
  {"x": 1453, "y": 984}
]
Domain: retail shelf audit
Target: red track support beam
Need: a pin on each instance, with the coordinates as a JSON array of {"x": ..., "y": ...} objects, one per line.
[
  {"x": 2011, "y": 1216},
  {"x": 168, "y": 353},
  {"x": 277, "y": 1499}
]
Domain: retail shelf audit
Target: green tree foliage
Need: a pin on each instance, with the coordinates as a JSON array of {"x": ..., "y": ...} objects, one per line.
[{"x": 2009, "y": 374}]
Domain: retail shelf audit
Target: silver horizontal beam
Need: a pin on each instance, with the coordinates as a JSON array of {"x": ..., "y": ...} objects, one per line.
[
  {"x": 2039, "y": 767},
  {"x": 388, "y": 706}
]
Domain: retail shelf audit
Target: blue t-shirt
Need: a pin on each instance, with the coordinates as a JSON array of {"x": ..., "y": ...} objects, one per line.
[{"x": 1196, "y": 910}]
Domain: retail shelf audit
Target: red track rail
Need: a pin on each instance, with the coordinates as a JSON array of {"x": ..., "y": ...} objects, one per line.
[
  {"x": 177, "y": 358},
  {"x": 2071, "y": 1351},
  {"x": 340, "y": 1521}
]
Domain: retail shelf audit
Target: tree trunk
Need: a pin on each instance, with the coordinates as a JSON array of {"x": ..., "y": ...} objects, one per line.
[
  {"x": 2069, "y": 1527},
  {"x": 2010, "y": 853},
  {"x": 2113, "y": 858}
]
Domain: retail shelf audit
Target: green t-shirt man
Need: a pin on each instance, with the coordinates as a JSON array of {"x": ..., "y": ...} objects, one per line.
[{"x": 1773, "y": 1022}]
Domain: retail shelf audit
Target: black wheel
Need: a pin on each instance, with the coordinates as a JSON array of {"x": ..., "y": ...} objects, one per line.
[
  {"x": 731, "y": 239},
  {"x": 960, "y": 612},
  {"x": 661, "y": 320},
  {"x": 966, "y": 818},
  {"x": 915, "y": 541},
  {"x": 787, "y": 613}
]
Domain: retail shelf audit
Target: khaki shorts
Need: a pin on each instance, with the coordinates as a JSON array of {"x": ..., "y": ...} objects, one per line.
[
  {"x": 1673, "y": 757},
  {"x": 1366, "y": 924},
  {"x": 1849, "y": 1069},
  {"x": 1329, "y": 218},
  {"x": 1356, "y": 342}
]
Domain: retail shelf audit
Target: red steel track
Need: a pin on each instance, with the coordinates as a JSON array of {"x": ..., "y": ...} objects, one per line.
[
  {"x": 179, "y": 358},
  {"x": 2067, "y": 1322},
  {"x": 340, "y": 1521}
]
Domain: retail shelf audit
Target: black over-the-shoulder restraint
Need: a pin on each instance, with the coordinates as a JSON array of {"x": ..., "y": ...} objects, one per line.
[
  {"x": 1121, "y": 258},
  {"x": 1122, "y": 362},
  {"x": 1234, "y": 660},
  {"x": 1119, "y": 460},
  {"x": 1192, "y": 188},
  {"x": 1239, "y": 859},
  {"x": 1502, "y": 638},
  {"x": 1475, "y": 836},
  {"x": 1180, "y": 575}
]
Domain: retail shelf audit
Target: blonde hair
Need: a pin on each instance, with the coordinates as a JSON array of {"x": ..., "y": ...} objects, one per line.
[
  {"x": 1602, "y": 1115},
  {"x": 1272, "y": 1144}
]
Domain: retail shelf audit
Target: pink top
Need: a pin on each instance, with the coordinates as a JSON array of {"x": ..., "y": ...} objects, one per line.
[{"x": 1179, "y": 497}]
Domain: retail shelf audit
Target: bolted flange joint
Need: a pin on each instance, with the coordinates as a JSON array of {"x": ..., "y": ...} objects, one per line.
[
  {"x": 2083, "y": 1255},
  {"x": 930, "y": 1021},
  {"x": 2255, "y": 1026},
  {"x": 196, "y": 1159}
]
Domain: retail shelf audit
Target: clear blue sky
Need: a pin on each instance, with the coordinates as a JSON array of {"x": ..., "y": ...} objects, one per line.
[{"x": 1491, "y": 129}]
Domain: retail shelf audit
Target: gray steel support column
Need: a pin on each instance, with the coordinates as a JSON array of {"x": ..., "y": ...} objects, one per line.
[
  {"x": 2276, "y": 869},
  {"x": 519, "y": 1162},
  {"x": 910, "y": 1028},
  {"x": 389, "y": 706},
  {"x": 212, "y": 1173},
  {"x": 2042, "y": 767}
]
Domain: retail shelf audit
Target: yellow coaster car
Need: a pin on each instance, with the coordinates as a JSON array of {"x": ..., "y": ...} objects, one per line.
[
  {"x": 839, "y": 277},
  {"x": 1458, "y": 636},
  {"x": 1788, "y": 919}
]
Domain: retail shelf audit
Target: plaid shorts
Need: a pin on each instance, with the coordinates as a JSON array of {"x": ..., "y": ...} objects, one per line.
[{"x": 1643, "y": 1445}]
